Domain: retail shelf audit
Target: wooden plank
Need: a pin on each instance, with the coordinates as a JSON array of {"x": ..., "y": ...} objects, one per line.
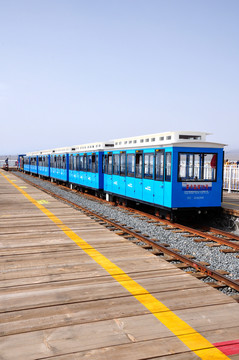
[{"x": 88, "y": 312}]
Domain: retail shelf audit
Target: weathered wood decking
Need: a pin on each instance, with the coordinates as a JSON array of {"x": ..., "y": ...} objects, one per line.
[{"x": 57, "y": 303}]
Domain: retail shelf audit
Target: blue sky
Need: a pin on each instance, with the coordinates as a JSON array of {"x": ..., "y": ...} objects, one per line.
[{"x": 74, "y": 71}]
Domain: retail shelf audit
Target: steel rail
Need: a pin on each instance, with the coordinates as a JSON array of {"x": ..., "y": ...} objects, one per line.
[
  {"x": 195, "y": 231},
  {"x": 197, "y": 265}
]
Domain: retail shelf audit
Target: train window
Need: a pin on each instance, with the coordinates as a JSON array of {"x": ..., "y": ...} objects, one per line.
[
  {"x": 59, "y": 162},
  {"x": 122, "y": 164},
  {"x": 84, "y": 163},
  {"x": 161, "y": 138},
  {"x": 159, "y": 165},
  {"x": 148, "y": 166},
  {"x": 138, "y": 165},
  {"x": 135, "y": 141},
  {"x": 190, "y": 137},
  {"x": 71, "y": 162},
  {"x": 96, "y": 163},
  {"x": 74, "y": 157},
  {"x": 105, "y": 163},
  {"x": 146, "y": 140},
  {"x": 168, "y": 165},
  {"x": 116, "y": 162},
  {"x": 130, "y": 164},
  {"x": 197, "y": 167},
  {"x": 109, "y": 165},
  {"x": 210, "y": 167},
  {"x": 168, "y": 137},
  {"x": 40, "y": 161},
  {"x": 77, "y": 162},
  {"x": 141, "y": 140},
  {"x": 89, "y": 163},
  {"x": 81, "y": 163},
  {"x": 93, "y": 163},
  {"x": 54, "y": 164},
  {"x": 152, "y": 139}
]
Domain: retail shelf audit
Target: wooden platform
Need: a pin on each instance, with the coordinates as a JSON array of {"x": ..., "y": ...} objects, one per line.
[
  {"x": 104, "y": 299},
  {"x": 231, "y": 203}
]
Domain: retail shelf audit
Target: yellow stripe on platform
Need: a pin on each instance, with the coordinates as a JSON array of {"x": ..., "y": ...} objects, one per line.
[
  {"x": 190, "y": 337},
  {"x": 227, "y": 203}
]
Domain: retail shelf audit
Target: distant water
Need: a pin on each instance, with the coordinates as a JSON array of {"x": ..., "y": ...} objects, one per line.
[{"x": 232, "y": 155}]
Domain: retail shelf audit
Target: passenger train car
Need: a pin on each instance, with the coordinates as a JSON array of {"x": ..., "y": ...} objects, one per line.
[{"x": 174, "y": 172}]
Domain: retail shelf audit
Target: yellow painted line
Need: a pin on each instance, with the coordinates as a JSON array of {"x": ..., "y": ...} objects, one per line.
[
  {"x": 43, "y": 202},
  {"x": 190, "y": 337},
  {"x": 231, "y": 204},
  {"x": 22, "y": 187}
]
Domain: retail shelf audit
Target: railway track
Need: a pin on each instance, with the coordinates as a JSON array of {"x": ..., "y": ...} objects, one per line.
[{"x": 210, "y": 236}]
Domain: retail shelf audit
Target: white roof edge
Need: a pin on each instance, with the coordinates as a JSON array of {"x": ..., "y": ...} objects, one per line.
[{"x": 143, "y": 141}]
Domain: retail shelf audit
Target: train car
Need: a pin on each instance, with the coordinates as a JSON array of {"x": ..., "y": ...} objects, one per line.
[
  {"x": 20, "y": 162},
  {"x": 44, "y": 165},
  {"x": 85, "y": 165},
  {"x": 33, "y": 165},
  {"x": 174, "y": 172},
  {"x": 26, "y": 163},
  {"x": 59, "y": 166}
]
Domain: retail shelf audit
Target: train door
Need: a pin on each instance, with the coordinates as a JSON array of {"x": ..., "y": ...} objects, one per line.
[
  {"x": 148, "y": 175},
  {"x": 122, "y": 177},
  {"x": 89, "y": 171},
  {"x": 108, "y": 172},
  {"x": 116, "y": 173},
  {"x": 130, "y": 178},
  {"x": 159, "y": 178},
  {"x": 138, "y": 175},
  {"x": 71, "y": 169},
  {"x": 167, "y": 201}
]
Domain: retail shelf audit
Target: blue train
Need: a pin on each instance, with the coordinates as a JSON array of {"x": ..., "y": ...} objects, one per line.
[{"x": 174, "y": 172}]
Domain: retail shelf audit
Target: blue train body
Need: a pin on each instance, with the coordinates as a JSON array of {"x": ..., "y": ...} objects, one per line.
[
  {"x": 59, "y": 167},
  {"x": 43, "y": 165},
  {"x": 85, "y": 169},
  {"x": 183, "y": 173}
]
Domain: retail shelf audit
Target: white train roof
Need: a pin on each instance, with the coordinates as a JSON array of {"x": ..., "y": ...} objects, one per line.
[{"x": 174, "y": 138}]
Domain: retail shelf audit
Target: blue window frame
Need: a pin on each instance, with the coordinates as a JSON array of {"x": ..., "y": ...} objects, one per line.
[
  {"x": 77, "y": 162},
  {"x": 139, "y": 164},
  {"x": 197, "y": 167},
  {"x": 130, "y": 165},
  {"x": 108, "y": 165},
  {"x": 159, "y": 165},
  {"x": 123, "y": 163},
  {"x": 168, "y": 166},
  {"x": 148, "y": 165},
  {"x": 116, "y": 164},
  {"x": 94, "y": 163},
  {"x": 71, "y": 162}
]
